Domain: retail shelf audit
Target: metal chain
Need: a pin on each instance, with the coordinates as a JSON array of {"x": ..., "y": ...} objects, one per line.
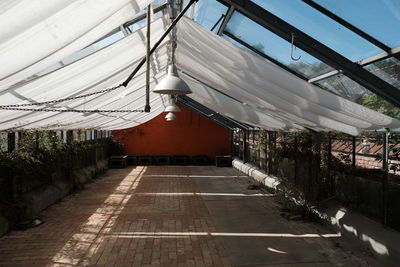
[
  {"x": 60, "y": 100},
  {"x": 73, "y": 110}
]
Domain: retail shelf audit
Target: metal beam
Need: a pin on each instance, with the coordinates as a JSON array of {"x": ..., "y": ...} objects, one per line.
[
  {"x": 140, "y": 64},
  {"x": 324, "y": 76},
  {"x": 129, "y": 23},
  {"x": 317, "y": 49},
  {"x": 348, "y": 25},
  {"x": 204, "y": 111},
  {"x": 211, "y": 113},
  {"x": 218, "y": 21},
  {"x": 258, "y": 52},
  {"x": 227, "y": 17},
  {"x": 143, "y": 16},
  {"x": 394, "y": 52},
  {"x": 147, "y": 105}
]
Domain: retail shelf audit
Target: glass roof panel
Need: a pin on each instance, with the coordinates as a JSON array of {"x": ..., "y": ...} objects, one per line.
[
  {"x": 99, "y": 44},
  {"x": 272, "y": 45},
  {"x": 343, "y": 86},
  {"x": 380, "y": 19},
  {"x": 84, "y": 52},
  {"x": 387, "y": 69},
  {"x": 208, "y": 12},
  {"x": 322, "y": 28},
  {"x": 242, "y": 46}
]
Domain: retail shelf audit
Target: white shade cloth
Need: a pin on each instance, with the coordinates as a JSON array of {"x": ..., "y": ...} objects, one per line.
[
  {"x": 105, "y": 68},
  {"x": 36, "y": 34},
  {"x": 223, "y": 77},
  {"x": 252, "y": 80}
]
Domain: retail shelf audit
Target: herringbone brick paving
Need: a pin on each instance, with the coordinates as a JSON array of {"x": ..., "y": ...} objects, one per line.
[{"x": 128, "y": 217}]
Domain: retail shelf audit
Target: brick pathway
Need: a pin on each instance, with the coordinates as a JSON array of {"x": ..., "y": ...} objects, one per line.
[
  {"x": 122, "y": 220},
  {"x": 173, "y": 216}
]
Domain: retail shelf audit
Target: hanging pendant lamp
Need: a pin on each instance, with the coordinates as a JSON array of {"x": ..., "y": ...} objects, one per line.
[
  {"x": 171, "y": 84},
  {"x": 172, "y": 107},
  {"x": 170, "y": 116}
]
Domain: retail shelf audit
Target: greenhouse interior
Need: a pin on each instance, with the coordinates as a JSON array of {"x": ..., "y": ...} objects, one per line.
[{"x": 199, "y": 133}]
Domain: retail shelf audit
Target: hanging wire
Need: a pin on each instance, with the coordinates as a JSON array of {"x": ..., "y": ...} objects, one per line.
[
  {"x": 292, "y": 48},
  {"x": 61, "y": 99},
  {"x": 73, "y": 110},
  {"x": 19, "y": 107}
]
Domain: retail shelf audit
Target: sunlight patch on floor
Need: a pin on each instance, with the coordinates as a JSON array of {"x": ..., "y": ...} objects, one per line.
[{"x": 85, "y": 243}]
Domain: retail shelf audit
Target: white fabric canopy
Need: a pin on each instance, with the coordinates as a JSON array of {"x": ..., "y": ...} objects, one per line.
[
  {"x": 103, "y": 69},
  {"x": 223, "y": 77},
  {"x": 36, "y": 34},
  {"x": 229, "y": 107},
  {"x": 252, "y": 80}
]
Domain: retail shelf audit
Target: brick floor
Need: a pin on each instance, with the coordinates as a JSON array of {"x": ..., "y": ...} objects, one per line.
[
  {"x": 174, "y": 216},
  {"x": 121, "y": 219}
]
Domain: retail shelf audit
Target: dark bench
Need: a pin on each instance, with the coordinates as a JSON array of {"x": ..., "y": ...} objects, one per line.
[
  {"x": 200, "y": 160},
  {"x": 131, "y": 160},
  {"x": 115, "y": 162},
  {"x": 223, "y": 161},
  {"x": 180, "y": 160},
  {"x": 143, "y": 160},
  {"x": 161, "y": 160}
]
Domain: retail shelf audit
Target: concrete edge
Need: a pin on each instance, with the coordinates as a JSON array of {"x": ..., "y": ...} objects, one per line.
[
  {"x": 383, "y": 242},
  {"x": 258, "y": 175}
]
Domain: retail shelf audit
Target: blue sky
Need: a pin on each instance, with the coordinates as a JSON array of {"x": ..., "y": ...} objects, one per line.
[{"x": 379, "y": 18}]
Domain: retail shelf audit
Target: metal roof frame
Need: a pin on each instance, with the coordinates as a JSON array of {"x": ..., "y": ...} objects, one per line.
[
  {"x": 317, "y": 49},
  {"x": 211, "y": 114},
  {"x": 258, "y": 52},
  {"x": 348, "y": 25}
]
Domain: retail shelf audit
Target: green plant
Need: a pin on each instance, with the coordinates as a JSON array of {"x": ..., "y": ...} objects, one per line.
[{"x": 376, "y": 103}]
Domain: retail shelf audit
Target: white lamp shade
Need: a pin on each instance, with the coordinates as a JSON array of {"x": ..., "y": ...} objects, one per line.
[
  {"x": 171, "y": 84},
  {"x": 172, "y": 108},
  {"x": 170, "y": 116}
]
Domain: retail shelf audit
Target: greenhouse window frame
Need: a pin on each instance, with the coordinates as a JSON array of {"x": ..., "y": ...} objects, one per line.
[{"x": 316, "y": 49}]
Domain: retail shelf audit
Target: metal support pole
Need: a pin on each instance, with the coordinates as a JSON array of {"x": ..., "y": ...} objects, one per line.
[
  {"x": 123, "y": 30},
  {"x": 11, "y": 141},
  {"x": 332, "y": 190},
  {"x": 244, "y": 146},
  {"x": 147, "y": 106},
  {"x": 385, "y": 169},
  {"x": 353, "y": 151},
  {"x": 274, "y": 154},
  {"x": 316, "y": 166},
  {"x": 296, "y": 164},
  {"x": 126, "y": 82},
  {"x": 232, "y": 141}
]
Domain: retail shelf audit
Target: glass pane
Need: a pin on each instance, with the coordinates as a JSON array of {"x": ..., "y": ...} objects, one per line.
[
  {"x": 226, "y": 37},
  {"x": 321, "y": 28},
  {"x": 142, "y": 23},
  {"x": 209, "y": 12},
  {"x": 387, "y": 69},
  {"x": 272, "y": 45},
  {"x": 343, "y": 86},
  {"x": 376, "y": 103},
  {"x": 380, "y": 19},
  {"x": 84, "y": 52},
  {"x": 99, "y": 44},
  {"x": 94, "y": 47}
]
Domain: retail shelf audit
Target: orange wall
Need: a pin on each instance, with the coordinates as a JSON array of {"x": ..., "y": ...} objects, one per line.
[{"x": 190, "y": 134}]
